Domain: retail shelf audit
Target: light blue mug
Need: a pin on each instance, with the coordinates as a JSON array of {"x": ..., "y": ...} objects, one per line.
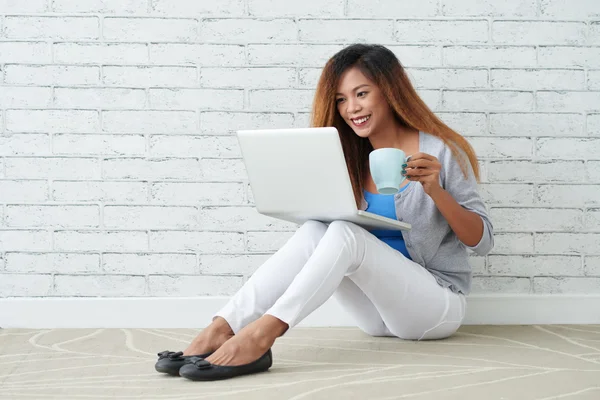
[{"x": 386, "y": 169}]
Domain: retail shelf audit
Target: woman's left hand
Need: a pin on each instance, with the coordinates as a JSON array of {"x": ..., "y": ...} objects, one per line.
[{"x": 424, "y": 168}]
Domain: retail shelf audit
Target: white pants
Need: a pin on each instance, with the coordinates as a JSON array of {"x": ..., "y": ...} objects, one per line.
[{"x": 385, "y": 292}]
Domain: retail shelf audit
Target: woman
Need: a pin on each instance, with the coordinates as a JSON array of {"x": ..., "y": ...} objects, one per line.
[{"x": 409, "y": 284}]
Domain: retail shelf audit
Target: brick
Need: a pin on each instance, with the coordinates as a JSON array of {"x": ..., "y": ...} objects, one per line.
[
  {"x": 506, "y": 194},
  {"x": 281, "y": 100},
  {"x": 594, "y": 34},
  {"x": 499, "y": 284},
  {"x": 31, "y": 6},
  {"x": 568, "y": 101},
  {"x": 536, "y": 124},
  {"x": 101, "y": 53},
  {"x": 568, "y": 8},
  {"x": 248, "y": 30},
  {"x": 100, "y": 241},
  {"x": 53, "y": 168},
  {"x": 151, "y": 169},
  {"x": 25, "y": 52},
  {"x": 67, "y": 28},
  {"x": 52, "y": 121},
  {"x": 487, "y": 101},
  {"x": 593, "y": 171},
  {"x": 25, "y": 97},
  {"x": 150, "y": 217},
  {"x": 387, "y": 8},
  {"x": 567, "y": 148},
  {"x": 99, "y": 98},
  {"x": 513, "y": 8},
  {"x": 239, "y": 218},
  {"x": 592, "y": 219},
  {"x": 99, "y": 285},
  {"x": 538, "y": 219},
  {"x": 592, "y": 265},
  {"x": 307, "y": 8},
  {"x": 593, "y": 124},
  {"x": 214, "y": 169},
  {"x": 267, "y": 241},
  {"x": 149, "y": 76},
  {"x": 568, "y": 243},
  {"x": 197, "y": 54},
  {"x": 100, "y": 6},
  {"x": 304, "y": 55},
  {"x": 161, "y": 285},
  {"x": 348, "y": 30},
  {"x": 88, "y": 144},
  {"x": 100, "y": 191},
  {"x": 248, "y": 78},
  {"x": 175, "y": 122},
  {"x": 195, "y": 146},
  {"x": 51, "y": 74},
  {"x": 442, "y": 31},
  {"x": 302, "y": 120},
  {"x": 593, "y": 80},
  {"x": 227, "y": 123},
  {"x": 568, "y": 195},
  {"x": 54, "y": 216},
  {"x": 536, "y": 171},
  {"x": 308, "y": 78},
  {"x": 206, "y": 99},
  {"x": 184, "y": 7},
  {"x": 25, "y": 144},
  {"x": 148, "y": 263},
  {"x": 448, "y": 78},
  {"x": 530, "y": 79},
  {"x": 502, "y": 147},
  {"x": 21, "y": 285},
  {"x": 432, "y": 98},
  {"x": 23, "y": 191},
  {"x": 538, "y": 32},
  {"x": 567, "y": 57},
  {"x": 25, "y": 240},
  {"x": 198, "y": 242},
  {"x": 149, "y": 30},
  {"x": 467, "y": 124},
  {"x": 492, "y": 56},
  {"x": 418, "y": 55},
  {"x": 213, "y": 193},
  {"x": 44, "y": 263},
  {"x": 535, "y": 265},
  {"x": 513, "y": 243},
  {"x": 566, "y": 285},
  {"x": 226, "y": 264}
]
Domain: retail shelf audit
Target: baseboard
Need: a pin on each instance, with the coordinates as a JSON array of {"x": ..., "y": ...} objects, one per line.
[{"x": 196, "y": 312}]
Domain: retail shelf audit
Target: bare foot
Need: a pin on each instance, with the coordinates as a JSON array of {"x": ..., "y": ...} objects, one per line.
[
  {"x": 210, "y": 338},
  {"x": 250, "y": 343}
]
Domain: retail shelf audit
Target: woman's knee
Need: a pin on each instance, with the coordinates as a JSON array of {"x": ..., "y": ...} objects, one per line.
[{"x": 314, "y": 228}]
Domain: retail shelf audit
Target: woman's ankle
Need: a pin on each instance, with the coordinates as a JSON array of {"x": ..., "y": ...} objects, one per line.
[{"x": 221, "y": 326}]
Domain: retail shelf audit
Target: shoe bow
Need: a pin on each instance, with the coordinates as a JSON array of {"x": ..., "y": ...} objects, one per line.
[{"x": 202, "y": 364}]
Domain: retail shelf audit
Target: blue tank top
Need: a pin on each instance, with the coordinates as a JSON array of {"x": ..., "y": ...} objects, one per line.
[{"x": 383, "y": 205}]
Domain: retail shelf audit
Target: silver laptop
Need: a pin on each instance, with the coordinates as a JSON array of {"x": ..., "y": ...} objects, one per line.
[{"x": 300, "y": 174}]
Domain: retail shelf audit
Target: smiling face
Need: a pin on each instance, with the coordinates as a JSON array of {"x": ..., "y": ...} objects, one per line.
[{"x": 362, "y": 105}]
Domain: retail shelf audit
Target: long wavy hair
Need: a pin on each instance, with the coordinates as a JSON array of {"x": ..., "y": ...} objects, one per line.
[{"x": 381, "y": 66}]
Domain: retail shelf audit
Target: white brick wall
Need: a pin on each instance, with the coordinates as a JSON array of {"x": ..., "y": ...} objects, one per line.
[{"x": 120, "y": 174}]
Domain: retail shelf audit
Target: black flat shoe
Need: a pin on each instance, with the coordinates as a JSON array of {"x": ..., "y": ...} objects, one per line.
[
  {"x": 202, "y": 370},
  {"x": 170, "y": 362}
]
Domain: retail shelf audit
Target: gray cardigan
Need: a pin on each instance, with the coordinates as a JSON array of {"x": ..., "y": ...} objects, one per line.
[{"x": 431, "y": 242}]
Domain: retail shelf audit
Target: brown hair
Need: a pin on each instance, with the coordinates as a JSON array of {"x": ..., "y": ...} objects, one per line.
[{"x": 381, "y": 66}]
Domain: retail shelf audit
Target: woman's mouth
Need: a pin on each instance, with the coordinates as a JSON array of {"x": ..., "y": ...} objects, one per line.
[{"x": 360, "y": 121}]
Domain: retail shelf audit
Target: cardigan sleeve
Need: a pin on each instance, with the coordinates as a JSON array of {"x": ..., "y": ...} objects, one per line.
[{"x": 464, "y": 191}]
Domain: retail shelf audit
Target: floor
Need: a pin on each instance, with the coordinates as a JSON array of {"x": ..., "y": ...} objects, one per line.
[{"x": 478, "y": 362}]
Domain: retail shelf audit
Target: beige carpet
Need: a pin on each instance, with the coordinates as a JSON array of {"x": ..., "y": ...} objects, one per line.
[{"x": 479, "y": 362}]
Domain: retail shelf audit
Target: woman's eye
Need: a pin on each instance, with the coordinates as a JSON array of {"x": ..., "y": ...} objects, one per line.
[
  {"x": 361, "y": 93},
  {"x": 338, "y": 101}
]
